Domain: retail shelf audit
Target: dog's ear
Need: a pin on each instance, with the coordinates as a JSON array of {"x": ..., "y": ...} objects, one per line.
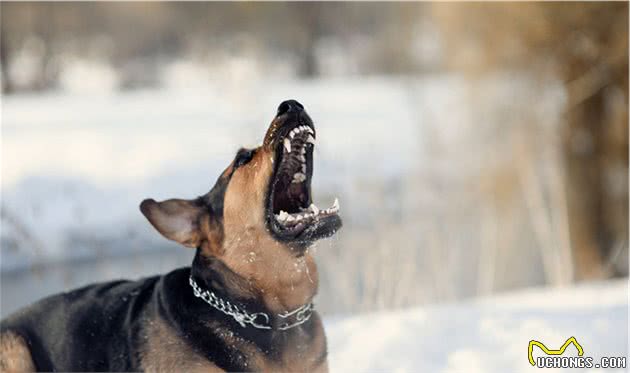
[{"x": 176, "y": 219}]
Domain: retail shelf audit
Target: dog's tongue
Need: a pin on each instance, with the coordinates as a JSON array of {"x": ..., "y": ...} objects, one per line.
[
  {"x": 296, "y": 193},
  {"x": 289, "y": 196}
]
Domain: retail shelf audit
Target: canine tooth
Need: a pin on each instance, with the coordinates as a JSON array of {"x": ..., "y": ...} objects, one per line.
[
  {"x": 311, "y": 139},
  {"x": 335, "y": 205},
  {"x": 314, "y": 209},
  {"x": 309, "y": 129},
  {"x": 299, "y": 177},
  {"x": 282, "y": 216},
  {"x": 287, "y": 145}
]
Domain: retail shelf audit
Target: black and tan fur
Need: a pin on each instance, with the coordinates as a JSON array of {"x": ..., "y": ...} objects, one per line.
[{"x": 157, "y": 324}]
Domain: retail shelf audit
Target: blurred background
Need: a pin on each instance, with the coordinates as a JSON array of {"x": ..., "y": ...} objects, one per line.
[{"x": 474, "y": 148}]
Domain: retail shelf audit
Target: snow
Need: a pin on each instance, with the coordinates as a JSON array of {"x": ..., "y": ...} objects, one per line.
[
  {"x": 76, "y": 156},
  {"x": 76, "y": 164},
  {"x": 485, "y": 335}
]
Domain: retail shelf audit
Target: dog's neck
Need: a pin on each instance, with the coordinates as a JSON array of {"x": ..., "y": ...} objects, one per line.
[
  {"x": 272, "y": 290},
  {"x": 225, "y": 341}
]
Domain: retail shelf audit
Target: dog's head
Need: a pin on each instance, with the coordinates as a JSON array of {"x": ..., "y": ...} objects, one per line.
[{"x": 262, "y": 201}]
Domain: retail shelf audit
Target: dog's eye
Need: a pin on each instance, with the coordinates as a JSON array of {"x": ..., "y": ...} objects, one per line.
[{"x": 243, "y": 157}]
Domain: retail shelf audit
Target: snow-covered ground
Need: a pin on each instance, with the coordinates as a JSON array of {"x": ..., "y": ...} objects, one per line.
[{"x": 484, "y": 336}]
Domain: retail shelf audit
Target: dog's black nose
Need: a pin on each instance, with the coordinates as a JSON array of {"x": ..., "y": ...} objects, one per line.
[{"x": 290, "y": 106}]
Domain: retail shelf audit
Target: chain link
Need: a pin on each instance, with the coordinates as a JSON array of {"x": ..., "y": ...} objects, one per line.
[{"x": 302, "y": 314}]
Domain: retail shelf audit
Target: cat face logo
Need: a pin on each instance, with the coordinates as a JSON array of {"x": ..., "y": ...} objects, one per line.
[{"x": 547, "y": 351}]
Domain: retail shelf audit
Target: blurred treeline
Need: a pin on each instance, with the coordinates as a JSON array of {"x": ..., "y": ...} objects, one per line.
[
  {"x": 571, "y": 179},
  {"x": 585, "y": 45},
  {"x": 139, "y": 38}
]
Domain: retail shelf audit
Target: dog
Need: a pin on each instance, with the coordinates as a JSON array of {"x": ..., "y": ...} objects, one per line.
[{"x": 245, "y": 303}]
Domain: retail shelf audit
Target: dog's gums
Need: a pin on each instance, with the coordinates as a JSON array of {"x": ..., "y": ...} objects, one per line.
[{"x": 291, "y": 213}]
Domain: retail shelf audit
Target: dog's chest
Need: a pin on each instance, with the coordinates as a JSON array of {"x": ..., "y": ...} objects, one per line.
[
  {"x": 165, "y": 351},
  {"x": 301, "y": 353}
]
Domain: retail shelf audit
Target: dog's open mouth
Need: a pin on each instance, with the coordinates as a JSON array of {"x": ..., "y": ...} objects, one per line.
[{"x": 293, "y": 215}]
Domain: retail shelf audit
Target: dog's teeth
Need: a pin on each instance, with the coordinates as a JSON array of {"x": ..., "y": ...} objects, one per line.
[
  {"x": 287, "y": 145},
  {"x": 290, "y": 218},
  {"x": 311, "y": 139},
  {"x": 282, "y": 216},
  {"x": 298, "y": 177},
  {"x": 335, "y": 205},
  {"x": 302, "y": 158},
  {"x": 309, "y": 129},
  {"x": 304, "y": 168},
  {"x": 314, "y": 209}
]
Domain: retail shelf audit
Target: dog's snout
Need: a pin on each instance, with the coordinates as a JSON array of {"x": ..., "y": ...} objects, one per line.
[{"x": 290, "y": 106}]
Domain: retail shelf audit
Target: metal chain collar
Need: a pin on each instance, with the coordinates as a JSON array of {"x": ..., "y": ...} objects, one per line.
[{"x": 259, "y": 320}]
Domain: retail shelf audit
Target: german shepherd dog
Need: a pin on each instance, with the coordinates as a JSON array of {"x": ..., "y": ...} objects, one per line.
[{"x": 245, "y": 304}]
